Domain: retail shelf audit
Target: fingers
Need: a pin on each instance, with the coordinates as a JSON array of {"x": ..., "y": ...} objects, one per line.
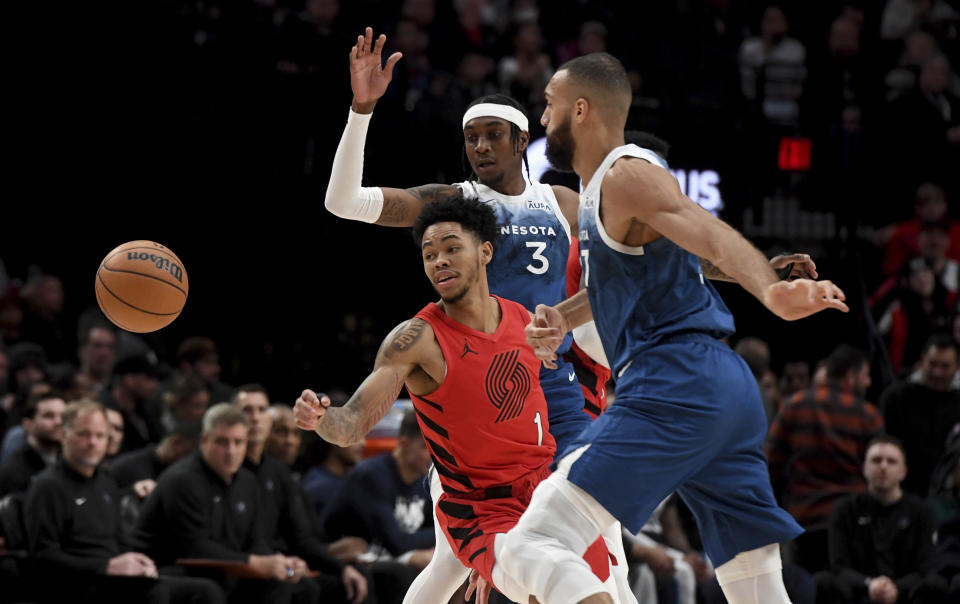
[
  {"x": 368, "y": 40},
  {"x": 378, "y": 45},
  {"x": 391, "y": 63}
]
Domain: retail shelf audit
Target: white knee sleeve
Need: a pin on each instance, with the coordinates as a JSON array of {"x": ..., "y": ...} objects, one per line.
[
  {"x": 544, "y": 552},
  {"x": 754, "y": 577}
]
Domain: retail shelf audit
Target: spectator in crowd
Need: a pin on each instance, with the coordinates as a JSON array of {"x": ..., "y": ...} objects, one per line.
[
  {"x": 902, "y": 240},
  {"x": 285, "y": 438},
  {"x": 132, "y": 395},
  {"x": 27, "y": 364},
  {"x": 73, "y": 528},
  {"x": 922, "y": 409},
  {"x": 15, "y": 437},
  {"x": 796, "y": 377},
  {"x": 284, "y": 515},
  {"x": 11, "y": 315},
  {"x": 199, "y": 356},
  {"x": 186, "y": 402},
  {"x": 115, "y": 425},
  {"x": 524, "y": 74},
  {"x": 922, "y": 306},
  {"x": 42, "y": 424},
  {"x": 881, "y": 541},
  {"x": 136, "y": 472},
  {"x": 383, "y": 501},
  {"x": 97, "y": 353},
  {"x": 815, "y": 447},
  {"x": 43, "y": 321},
  {"x": 773, "y": 69},
  {"x": 208, "y": 506},
  {"x": 927, "y": 122},
  {"x": 918, "y": 46},
  {"x": 329, "y": 465}
]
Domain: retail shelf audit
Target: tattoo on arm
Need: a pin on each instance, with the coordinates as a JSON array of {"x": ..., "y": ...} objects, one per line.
[
  {"x": 712, "y": 272},
  {"x": 398, "y": 209},
  {"x": 374, "y": 398},
  {"x": 347, "y": 425}
]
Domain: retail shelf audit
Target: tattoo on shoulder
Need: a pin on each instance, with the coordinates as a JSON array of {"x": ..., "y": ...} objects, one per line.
[{"x": 403, "y": 337}]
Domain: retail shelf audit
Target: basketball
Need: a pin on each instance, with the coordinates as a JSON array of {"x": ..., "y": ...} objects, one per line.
[{"x": 141, "y": 286}]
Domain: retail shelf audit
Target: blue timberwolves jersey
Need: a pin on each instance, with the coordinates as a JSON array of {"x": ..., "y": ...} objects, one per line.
[
  {"x": 641, "y": 295},
  {"x": 529, "y": 263}
]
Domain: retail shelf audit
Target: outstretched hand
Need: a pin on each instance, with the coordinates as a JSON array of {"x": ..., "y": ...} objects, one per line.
[
  {"x": 792, "y": 300},
  {"x": 309, "y": 408},
  {"x": 545, "y": 333},
  {"x": 368, "y": 77}
]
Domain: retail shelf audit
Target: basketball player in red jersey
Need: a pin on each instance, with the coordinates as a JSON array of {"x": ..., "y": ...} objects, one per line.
[{"x": 474, "y": 383}]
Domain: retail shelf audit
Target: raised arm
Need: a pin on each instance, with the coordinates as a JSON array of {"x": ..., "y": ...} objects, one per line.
[
  {"x": 345, "y": 196},
  {"x": 635, "y": 191},
  {"x": 402, "y": 353}
]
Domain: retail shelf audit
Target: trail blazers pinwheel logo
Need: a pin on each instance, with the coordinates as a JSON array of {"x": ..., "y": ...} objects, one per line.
[{"x": 508, "y": 384}]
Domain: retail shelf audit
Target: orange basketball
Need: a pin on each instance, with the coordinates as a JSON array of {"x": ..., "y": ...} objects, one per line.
[{"x": 141, "y": 286}]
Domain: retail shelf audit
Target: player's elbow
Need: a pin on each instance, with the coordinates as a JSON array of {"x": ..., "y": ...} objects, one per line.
[{"x": 334, "y": 204}]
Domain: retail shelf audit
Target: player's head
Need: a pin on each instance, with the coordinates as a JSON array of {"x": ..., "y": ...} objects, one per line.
[
  {"x": 495, "y": 138},
  {"x": 455, "y": 236},
  {"x": 588, "y": 94}
]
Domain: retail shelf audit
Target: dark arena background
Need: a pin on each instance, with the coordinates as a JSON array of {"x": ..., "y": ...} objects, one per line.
[{"x": 210, "y": 126}]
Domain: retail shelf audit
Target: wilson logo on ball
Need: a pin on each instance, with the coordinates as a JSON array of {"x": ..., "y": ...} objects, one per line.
[{"x": 160, "y": 262}]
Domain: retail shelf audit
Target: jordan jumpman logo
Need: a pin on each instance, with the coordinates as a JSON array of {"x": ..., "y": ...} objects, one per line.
[{"x": 466, "y": 349}]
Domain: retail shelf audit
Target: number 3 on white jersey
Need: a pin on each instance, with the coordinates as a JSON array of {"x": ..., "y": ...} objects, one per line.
[{"x": 539, "y": 257}]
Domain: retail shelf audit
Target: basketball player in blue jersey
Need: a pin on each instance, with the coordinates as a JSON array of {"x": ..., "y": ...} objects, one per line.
[
  {"x": 535, "y": 223},
  {"x": 688, "y": 416}
]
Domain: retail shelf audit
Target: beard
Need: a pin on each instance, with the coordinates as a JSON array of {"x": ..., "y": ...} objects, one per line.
[
  {"x": 560, "y": 147},
  {"x": 454, "y": 297}
]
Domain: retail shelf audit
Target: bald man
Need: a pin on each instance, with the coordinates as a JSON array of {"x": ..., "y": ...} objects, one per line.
[{"x": 688, "y": 416}]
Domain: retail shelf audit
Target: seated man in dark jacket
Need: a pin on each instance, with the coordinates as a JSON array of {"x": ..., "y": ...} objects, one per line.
[
  {"x": 72, "y": 517},
  {"x": 285, "y": 516},
  {"x": 207, "y": 506},
  {"x": 42, "y": 425},
  {"x": 881, "y": 541}
]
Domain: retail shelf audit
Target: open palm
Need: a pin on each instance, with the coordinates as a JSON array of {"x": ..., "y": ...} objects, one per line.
[{"x": 368, "y": 77}]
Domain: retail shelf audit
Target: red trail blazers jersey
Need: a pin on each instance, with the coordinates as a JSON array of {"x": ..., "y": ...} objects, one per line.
[{"x": 486, "y": 425}]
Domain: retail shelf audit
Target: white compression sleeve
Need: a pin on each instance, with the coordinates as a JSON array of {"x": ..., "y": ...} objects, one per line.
[
  {"x": 754, "y": 577},
  {"x": 345, "y": 197}
]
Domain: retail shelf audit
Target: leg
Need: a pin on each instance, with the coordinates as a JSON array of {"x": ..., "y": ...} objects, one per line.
[
  {"x": 613, "y": 537},
  {"x": 754, "y": 577},
  {"x": 444, "y": 574},
  {"x": 543, "y": 553}
]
